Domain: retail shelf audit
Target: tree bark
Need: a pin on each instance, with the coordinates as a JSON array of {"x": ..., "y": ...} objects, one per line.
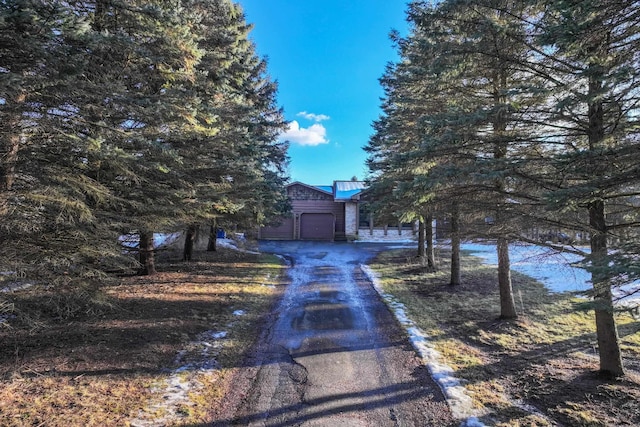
[
  {"x": 507, "y": 302},
  {"x": 431, "y": 253},
  {"x": 455, "y": 248},
  {"x": 606, "y": 329},
  {"x": 189, "y": 241},
  {"x": 422, "y": 252},
  {"x": 212, "y": 246},
  {"x": 147, "y": 254}
]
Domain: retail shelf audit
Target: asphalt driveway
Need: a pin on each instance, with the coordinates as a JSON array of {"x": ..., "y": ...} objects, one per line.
[{"x": 334, "y": 355}]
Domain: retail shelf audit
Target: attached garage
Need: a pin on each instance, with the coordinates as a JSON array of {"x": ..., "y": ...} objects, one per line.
[
  {"x": 281, "y": 231},
  {"x": 317, "y": 213},
  {"x": 317, "y": 226}
]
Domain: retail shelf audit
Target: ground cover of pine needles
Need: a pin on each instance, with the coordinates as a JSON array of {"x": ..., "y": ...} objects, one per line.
[
  {"x": 105, "y": 359},
  {"x": 539, "y": 370}
]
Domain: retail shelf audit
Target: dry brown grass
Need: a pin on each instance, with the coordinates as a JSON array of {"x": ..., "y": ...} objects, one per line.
[
  {"x": 109, "y": 366},
  {"x": 539, "y": 370}
]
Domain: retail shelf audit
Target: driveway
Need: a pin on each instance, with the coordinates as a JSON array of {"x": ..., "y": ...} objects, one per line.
[{"x": 334, "y": 355}]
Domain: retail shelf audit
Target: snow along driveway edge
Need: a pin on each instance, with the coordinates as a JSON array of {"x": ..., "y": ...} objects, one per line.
[{"x": 457, "y": 397}]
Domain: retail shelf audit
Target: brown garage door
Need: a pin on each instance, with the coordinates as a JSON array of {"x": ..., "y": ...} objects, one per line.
[
  {"x": 282, "y": 231},
  {"x": 317, "y": 226}
]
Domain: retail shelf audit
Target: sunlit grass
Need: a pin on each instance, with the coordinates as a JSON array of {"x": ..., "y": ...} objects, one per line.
[
  {"x": 505, "y": 362},
  {"x": 109, "y": 369}
]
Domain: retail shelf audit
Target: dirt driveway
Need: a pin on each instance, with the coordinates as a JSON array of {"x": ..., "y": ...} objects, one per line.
[{"x": 334, "y": 355}]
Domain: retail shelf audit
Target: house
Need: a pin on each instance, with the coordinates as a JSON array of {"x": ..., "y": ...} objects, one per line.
[{"x": 319, "y": 212}]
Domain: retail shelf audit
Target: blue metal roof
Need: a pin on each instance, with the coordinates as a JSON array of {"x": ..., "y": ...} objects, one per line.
[
  {"x": 327, "y": 188},
  {"x": 346, "y": 190}
]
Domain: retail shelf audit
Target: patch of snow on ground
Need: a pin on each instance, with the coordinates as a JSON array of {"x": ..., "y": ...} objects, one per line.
[
  {"x": 549, "y": 267},
  {"x": 132, "y": 241},
  {"x": 164, "y": 239},
  {"x": 457, "y": 397},
  {"x": 182, "y": 381},
  {"x": 231, "y": 244},
  {"x": 555, "y": 270},
  {"x": 239, "y": 313},
  {"x": 16, "y": 286}
]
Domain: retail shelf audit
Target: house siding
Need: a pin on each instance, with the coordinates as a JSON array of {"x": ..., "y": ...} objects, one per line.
[
  {"x": 282, "y": 230},
  {"x": 310, "y": 200},
  {"x": 306, "y": 200}
]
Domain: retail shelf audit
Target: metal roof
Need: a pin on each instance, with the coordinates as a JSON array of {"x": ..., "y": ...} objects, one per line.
[
  {"x": 327, "y": 188},
  {"x": 347, "y": 190},
  {"x": 341, "y": 190}
]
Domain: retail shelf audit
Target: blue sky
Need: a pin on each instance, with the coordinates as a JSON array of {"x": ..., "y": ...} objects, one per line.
[{"x": 327, "y": 57}]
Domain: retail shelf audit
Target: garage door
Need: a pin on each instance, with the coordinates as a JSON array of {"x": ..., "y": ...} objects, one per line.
[
  {"x": 282, "y": 231},
  {"x": 317, "y": 226}
]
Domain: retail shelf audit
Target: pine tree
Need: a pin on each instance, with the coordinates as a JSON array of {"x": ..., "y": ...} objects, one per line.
[
  {"x": 231, "y": 154},
  {"x": 143, "y": 56},
  {"x": 47, "y": 201},
  {"x": 592, "y": 49}
]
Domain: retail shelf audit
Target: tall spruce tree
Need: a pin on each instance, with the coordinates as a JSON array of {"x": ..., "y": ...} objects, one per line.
[
  {"x": 49, "y": 213},
  {"x": 143, "y": 56},
  {"x": 98, "y": 101},
  {"x": 592, "y": 49},
  {"x": 462, "y": 94},
  {"x": 233, "y": 160}
]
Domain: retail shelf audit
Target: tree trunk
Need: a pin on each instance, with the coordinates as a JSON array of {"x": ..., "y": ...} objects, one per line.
[
  {"x": 431, "y": 253},
  {"x": 422, "y": 253},
  {"x": 147, "y": 254},
  {"x": 507, "y": 302},
  {"x": 189, "y": 240},
  {"x": 455, "y": 248},
  {"x": 606, "y": 329},
  {"x": 212, "y": 246}
]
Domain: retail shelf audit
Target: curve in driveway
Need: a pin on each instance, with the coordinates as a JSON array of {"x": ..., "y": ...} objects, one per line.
[{"x": 334, "y": 355}]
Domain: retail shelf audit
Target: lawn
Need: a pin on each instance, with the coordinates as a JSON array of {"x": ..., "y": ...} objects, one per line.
[
  {"x": 162, "y": 347},
  {"x": 539, "y": 370},
  {"x": 168, "y": 348}
]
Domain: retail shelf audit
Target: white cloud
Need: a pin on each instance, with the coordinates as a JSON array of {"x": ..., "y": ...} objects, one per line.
[
  {"x": 315, "y": 134},
  {"x": 314, "y": 117}
]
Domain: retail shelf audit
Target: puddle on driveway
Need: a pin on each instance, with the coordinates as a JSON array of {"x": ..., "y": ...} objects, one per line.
[
  {"x": 319, "y": 316},
  {"x": 318, "y": 255}
]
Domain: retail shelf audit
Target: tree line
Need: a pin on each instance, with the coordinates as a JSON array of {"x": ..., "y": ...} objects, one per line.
[
  {"x": 129, "y": 117},
  {"x": 504, "y": 116}
]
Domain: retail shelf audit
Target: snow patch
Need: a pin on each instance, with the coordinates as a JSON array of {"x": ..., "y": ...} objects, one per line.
[
  {"x": 201, "y": 358},
  {"x": 472, "y": 422},
  {"x": 16, "y": 286},
  {"x": 231, "y": 244},
  {"x": 239, "y": 313},
  {"x": 132, "y": 241},
  {"x": 457, "y": 397},
  {"x": 554, "y": 269}
]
